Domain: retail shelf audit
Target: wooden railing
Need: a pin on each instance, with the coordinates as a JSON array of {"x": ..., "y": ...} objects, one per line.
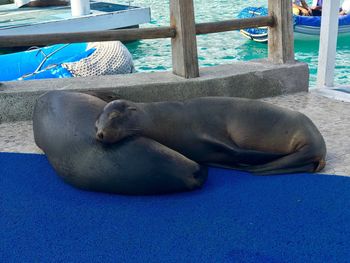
[{"x": 183, "y": 31}]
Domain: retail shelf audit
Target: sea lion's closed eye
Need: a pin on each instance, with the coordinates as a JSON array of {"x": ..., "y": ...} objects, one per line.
[{"x": 113, "y": 114}]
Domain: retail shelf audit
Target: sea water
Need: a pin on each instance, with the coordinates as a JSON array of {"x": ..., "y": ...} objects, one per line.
[{"x": 227, "y": 47}]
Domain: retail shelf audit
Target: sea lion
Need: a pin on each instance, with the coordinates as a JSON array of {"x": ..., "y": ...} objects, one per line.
[
  {"x": 231, "y": 132},
  {"x": 63, "y": 124}
]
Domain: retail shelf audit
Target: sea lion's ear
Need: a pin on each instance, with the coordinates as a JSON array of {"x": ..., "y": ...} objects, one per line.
[
  {"x": 131, "y": 108},
  {"x": 113, "y": 114}
]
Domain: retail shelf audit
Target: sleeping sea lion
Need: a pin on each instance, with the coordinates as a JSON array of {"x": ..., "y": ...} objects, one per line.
[
  {"x": 230, "y": 132},
  {"x": 63, "y": 124}
]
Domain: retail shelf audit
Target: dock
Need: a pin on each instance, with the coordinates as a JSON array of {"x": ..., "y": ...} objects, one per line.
[{"x": 59, "y": 19}]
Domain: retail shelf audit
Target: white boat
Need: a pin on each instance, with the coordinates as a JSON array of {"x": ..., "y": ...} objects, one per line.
[{"x": 59, "y": 19}]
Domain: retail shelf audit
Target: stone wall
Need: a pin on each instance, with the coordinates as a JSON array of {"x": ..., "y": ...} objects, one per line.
[{"x": 254, "y": 79}]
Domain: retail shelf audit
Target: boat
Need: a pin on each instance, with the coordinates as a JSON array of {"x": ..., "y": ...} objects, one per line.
[
  {"x": 66, "y": 61},
  {"x": 305, "y": 27},
  {"x": 58, "y": 19}
]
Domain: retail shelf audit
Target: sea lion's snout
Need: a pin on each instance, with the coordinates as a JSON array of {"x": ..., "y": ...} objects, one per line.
[
  {"x": 99, "y": 135},
  {"x": 105, "y": 136}
]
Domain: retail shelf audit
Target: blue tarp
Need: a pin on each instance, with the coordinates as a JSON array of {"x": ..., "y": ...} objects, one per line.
[{"x": 235, "y": 217}]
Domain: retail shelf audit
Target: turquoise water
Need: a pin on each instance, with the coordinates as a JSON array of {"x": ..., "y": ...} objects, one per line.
[{"x": 224, "y": 48}]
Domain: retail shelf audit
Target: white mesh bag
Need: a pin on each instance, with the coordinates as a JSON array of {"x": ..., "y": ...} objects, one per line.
[{"x": 109, "y": 58}]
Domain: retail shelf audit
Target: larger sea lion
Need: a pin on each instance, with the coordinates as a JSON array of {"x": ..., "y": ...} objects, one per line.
[
  {"x": 230, "y": 132},
  {"x": 63, "y": 124}
]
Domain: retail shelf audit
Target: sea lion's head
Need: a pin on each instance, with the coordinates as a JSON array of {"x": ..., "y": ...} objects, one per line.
[{"x": 116, "y": 122}]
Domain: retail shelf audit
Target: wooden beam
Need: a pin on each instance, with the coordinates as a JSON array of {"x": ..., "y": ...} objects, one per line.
[
  {"x": 281, "y": 36},
  {"x": 120, "y": 34},
  {"x": 130, "y": 34},
  {"x": 184, "y": 45},
  {"x": 234, "y": 24},
  {"x": 328, "y": 44}
]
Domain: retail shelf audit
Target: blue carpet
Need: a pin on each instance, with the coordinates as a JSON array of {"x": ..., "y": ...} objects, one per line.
[{"x": 236, "y": 217}]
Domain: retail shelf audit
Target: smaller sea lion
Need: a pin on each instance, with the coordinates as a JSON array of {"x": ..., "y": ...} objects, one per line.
[
  {"x": 230, "y": 132},
  {"x": 63, "y": 124}
]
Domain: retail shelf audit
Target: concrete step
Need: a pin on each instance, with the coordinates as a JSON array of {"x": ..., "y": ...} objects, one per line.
[{"x": 253, "y": 79}]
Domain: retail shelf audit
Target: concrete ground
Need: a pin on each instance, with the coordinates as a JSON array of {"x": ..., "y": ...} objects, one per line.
[{"x": 330, "y": 116}]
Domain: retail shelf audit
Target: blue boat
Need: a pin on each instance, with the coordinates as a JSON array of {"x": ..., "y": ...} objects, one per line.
[
  {"x": 67, "y": 60},
  {"x": 41, "y": 63},
  {"x": 305, "y": 27}
]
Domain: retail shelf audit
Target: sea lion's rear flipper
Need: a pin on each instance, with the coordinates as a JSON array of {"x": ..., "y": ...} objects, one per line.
[
  {"x": 227, "y": 154},
  {"x": 303, "y": 160},
  {"x": 298, "y": 169}
]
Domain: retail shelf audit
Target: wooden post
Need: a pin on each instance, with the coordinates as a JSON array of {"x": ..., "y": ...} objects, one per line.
[
  {"x": 328, "y": 43},
  {"x": 184, "y": 45},
  {"x": 280, "y": 36}
]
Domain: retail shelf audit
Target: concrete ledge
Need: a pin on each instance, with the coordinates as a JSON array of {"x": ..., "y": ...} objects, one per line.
[{"x": 254, "y": 79}]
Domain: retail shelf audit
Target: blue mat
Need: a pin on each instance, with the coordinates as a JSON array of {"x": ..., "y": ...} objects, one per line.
[{"x": 236, "y": 217}]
